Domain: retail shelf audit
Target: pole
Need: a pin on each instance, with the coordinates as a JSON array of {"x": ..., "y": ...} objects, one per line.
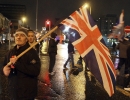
[
  {"x": 9, "y": 37},
  {"x": 44, "y": 36},
  {"x": 9, "y": 33},
  {"x": 48, "y": 39},
  {"x": 36, "y": 14}
]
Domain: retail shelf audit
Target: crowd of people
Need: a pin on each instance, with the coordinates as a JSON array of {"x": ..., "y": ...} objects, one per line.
[{"x": 23, "y": 70}]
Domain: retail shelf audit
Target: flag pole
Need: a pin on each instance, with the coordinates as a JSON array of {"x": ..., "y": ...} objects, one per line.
[{"x": 44, "y": 36}]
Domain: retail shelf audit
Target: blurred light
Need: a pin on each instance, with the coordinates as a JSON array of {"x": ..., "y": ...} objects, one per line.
[
  {"x": 108, "y": 40},
  {"x": 23, "y": 19},
  {"x": 66, "y": 29},
  {"x": 48, "y": 22},
  {"x": 86, "y": 5},
  {"x": 44, "y": 28},
  {"x": 73, "y": 34},
  {"x": 48, "y": 25}
]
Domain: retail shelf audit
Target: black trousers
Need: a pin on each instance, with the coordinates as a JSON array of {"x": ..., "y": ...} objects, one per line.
[
  {"x": 52, "y": 61},
  {"x": 123, "y": 61}
]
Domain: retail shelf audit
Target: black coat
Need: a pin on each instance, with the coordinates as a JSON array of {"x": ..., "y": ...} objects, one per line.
[
  {"x": 23, "y": 85},
  {"x": 122, "y": 46},
  {"x": 53, "y": 46},
  {"x": 128, "y": 58}
]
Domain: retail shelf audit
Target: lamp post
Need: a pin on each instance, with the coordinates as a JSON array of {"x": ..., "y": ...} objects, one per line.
[
  {"x": 9, "y": 34},
  {"x": 36, "y": 14}
]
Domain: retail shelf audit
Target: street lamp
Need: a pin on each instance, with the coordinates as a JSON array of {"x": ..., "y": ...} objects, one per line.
[
  {"x": 23, "y": 20},
  {"x": 88, "y": 6}
]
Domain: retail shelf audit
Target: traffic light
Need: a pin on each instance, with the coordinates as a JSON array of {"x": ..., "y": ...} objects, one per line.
[{"x": 48, "y": 25}]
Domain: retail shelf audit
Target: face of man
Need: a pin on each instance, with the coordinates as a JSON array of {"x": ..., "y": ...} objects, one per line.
[
  {"x": 20, "y": 39},
  {"x": 31, "y": 37}
]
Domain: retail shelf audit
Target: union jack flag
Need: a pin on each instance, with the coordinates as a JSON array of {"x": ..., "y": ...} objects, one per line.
[{"x": 87, "y": 39}]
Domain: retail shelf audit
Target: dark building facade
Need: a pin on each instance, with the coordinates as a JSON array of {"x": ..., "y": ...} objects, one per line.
[
  {"x": 14, "y": 13},
  {"x": 106, "y": 23},
  {"x": 4, "y": 22}
]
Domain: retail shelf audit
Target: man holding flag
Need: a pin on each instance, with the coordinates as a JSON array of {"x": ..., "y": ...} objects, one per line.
[{"x": 22, "y": 73}]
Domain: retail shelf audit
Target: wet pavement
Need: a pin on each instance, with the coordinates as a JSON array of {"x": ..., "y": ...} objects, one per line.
[{"x": 73, "y": 87}]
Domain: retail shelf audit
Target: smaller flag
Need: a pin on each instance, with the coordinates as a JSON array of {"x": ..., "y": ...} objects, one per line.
[{"x": 118, "y": 30}]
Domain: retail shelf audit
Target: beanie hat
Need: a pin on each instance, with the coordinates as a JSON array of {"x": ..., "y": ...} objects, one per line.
[{"x": 21, "y": 30}]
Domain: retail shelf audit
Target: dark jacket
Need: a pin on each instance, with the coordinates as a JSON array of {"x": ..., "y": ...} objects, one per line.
[
  {"x": 122, "y": 46},
  {"x": 23, "y": 85},
  {"x": 53, "y": 46},
  {"x": 37, "y": 48}
]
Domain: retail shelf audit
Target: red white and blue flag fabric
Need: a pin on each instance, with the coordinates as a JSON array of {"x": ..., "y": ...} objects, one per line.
[{"x": 84, "y": 34}]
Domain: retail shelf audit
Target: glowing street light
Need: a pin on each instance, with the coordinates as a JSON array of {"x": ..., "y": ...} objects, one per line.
[
  {"x": 87, "y": 6},
  {"x": 23, "y": 20}
]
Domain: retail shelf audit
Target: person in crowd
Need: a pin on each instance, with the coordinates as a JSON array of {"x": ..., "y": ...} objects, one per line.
[
  {"x": 122, "y": 46},
  {"x": 32, "y": 40},
  {"x": 22, "y": 72},
  {"x": 70, "y": 57},
  {"x": 114, "y": 48},
  {"x": 52, "y": 51},
  {"x": 127, "y": 72},
  {"x": 62, "y": 38}
]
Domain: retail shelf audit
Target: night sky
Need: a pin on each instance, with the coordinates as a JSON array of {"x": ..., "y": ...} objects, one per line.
[{"x": 51, "y": 9}]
